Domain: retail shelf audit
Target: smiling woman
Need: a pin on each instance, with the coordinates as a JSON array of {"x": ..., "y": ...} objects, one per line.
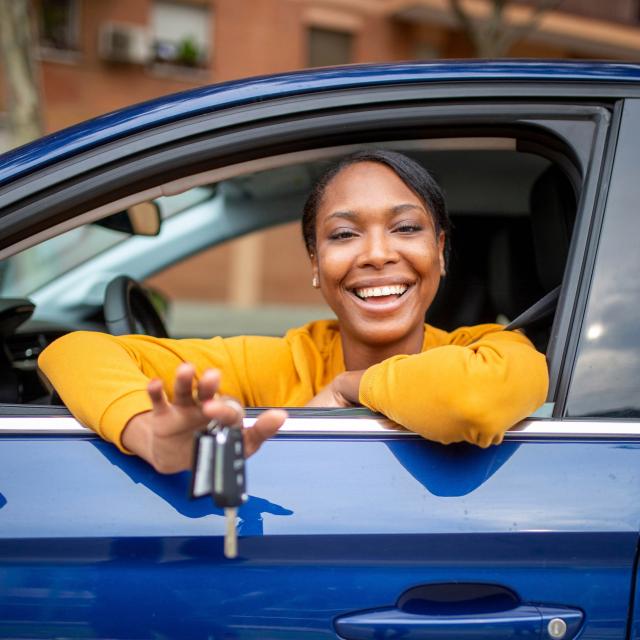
[
  {"x": 376, "y": 239},
  {"x": 376, "y": 228}
]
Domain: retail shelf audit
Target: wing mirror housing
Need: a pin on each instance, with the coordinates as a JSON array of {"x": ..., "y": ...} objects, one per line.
[{"x": 142, "y": 219}]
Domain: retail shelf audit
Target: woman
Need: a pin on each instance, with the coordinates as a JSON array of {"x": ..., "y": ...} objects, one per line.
[{"x": 375, "y": 227}]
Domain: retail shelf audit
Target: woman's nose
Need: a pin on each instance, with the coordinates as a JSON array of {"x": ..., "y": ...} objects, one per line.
[{"x": 378, "y": 249}]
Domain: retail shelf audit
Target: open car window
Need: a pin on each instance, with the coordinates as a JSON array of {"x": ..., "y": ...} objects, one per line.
[
  {"x": 229, "y": 259},
  {"x": 498, "y": 198}
]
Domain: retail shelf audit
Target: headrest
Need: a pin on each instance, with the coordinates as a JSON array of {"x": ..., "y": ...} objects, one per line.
[{"x": 514, "y": 284}]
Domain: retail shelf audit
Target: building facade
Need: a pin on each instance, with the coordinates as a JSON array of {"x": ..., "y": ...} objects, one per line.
[{"x": 96, "y": 56}]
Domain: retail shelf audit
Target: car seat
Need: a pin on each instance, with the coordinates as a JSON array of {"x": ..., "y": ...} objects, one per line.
[{"x": 527, "y": 267}]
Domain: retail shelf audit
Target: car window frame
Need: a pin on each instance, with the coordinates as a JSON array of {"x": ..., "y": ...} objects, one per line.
[
  {"x": 22, "y": 421},
  {"x": 426, "y": 114},
  {"x": 205, "y": 134}
]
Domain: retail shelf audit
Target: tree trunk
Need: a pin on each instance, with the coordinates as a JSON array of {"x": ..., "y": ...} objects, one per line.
[
  {"x": 494, "y": 36},
  {"x": 21, "y": 72}
]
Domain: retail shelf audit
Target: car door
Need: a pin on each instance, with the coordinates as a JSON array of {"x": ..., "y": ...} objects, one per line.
[
  {"x": 353, "y": 528},
  {"x": 358, "y": 531}
]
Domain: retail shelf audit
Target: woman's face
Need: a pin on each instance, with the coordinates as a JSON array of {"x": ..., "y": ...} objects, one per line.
[{"x": 378, "y": 258}]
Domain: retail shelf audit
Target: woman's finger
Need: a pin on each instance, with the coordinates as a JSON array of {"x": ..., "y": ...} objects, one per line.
[
  {"x": 208, "y": 385},
  {"x": 225, "y": 412},
  {"x": 183, "y": 386},
  {"x": 264, "y": 427},
  {"x": 156, "y": 394}
]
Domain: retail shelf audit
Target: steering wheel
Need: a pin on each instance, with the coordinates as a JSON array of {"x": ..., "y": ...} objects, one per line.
[{"x": 128, "y": 309}]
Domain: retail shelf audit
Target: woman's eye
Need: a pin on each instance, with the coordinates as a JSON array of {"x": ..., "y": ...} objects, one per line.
[
  {"x": 342, "y": 234},
  {"x": 408, "y": 228}
]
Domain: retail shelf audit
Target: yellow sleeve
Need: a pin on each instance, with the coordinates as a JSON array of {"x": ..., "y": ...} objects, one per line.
[
  {"x": 103, "y": 379},
  {"x": 461, "y": 392}
]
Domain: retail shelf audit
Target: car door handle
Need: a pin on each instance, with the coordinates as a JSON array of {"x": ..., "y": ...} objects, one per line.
[{"x": 523, "y": 621}]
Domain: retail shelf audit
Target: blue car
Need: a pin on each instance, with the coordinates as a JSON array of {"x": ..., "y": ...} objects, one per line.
[{"x": 354, "y": 528}]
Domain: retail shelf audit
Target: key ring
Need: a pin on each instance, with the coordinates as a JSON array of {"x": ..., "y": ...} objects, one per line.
[{"x": 233, "y": 404}]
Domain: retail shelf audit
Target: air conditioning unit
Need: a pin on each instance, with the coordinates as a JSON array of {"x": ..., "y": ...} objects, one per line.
[{"x": 121, "y": 42}]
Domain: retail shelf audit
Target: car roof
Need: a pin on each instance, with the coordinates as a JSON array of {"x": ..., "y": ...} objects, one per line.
[{"x": 118, "y": 124}]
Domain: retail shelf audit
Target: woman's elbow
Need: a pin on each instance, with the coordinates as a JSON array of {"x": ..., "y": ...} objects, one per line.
[
  {"x": 72, "y": 352},
  {"x": 482, "y": 418}
]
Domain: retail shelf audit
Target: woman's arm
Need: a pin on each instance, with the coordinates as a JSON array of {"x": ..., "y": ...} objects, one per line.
[
  {"x": 137, "y": 391},
  {"x": 455, "y": 393}
]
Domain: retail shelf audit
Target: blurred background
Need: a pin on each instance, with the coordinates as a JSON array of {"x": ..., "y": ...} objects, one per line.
[
  {"x": 87, "y": 57},
  {"x": 64, "y": 61}
]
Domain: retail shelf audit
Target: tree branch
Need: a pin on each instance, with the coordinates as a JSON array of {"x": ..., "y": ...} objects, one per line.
[
  {"x": 511, "y": 36},
  {"x": 466, "y": 22},
  {"x": 493, "y": 38}
]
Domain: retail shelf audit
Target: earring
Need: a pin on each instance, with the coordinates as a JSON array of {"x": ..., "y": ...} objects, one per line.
[{"x": 314, "y": 283}]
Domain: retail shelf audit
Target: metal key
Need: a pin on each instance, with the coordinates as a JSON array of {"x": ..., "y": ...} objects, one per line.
[
  {"x": 219, "y": 471},
  {"x": 229, "y": 481}
]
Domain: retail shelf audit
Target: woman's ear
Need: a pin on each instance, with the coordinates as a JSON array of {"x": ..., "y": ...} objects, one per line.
[
  {"x": 441, "y": 246},
  {"x": 315, "y": 275}
]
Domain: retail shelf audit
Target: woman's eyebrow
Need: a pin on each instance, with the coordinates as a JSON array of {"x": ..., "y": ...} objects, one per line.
[
  {"x": 401, "y": 208},
  {"x": 348, "y": 215},
  {"x": 395, "y": 210}
]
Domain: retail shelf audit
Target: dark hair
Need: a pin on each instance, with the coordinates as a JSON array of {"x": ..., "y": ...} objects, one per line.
[{"x": 414, "y": 175}]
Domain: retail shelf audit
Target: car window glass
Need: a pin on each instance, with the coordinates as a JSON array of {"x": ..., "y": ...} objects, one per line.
[
  {"x": 29, "y": 270},
  {"x": 606, "y": 377}
]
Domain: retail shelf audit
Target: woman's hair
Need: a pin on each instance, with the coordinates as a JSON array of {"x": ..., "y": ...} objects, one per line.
[{"x": 414, "y": 175}]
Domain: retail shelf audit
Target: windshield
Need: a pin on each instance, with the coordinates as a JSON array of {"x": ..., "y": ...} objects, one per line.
[{"x": 27, "y": 271}]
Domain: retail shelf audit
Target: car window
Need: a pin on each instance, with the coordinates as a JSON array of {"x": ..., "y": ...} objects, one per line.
[
  {"x": 33, "y": 268},
  {"x": 508, "y": 209},
  {"x": 231, "y": 260},
  {"x": 606, "y": 377}
]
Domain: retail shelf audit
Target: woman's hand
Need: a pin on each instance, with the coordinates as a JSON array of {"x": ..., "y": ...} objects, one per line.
[
  {"x": 164, "y": 436},
  {"x": 341, "y": 392}
]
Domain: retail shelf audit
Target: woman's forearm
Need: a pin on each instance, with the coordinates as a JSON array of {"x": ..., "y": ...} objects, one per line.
[
  {"x": 136, "y": 435},
  {"x": 455, "y": 393}
]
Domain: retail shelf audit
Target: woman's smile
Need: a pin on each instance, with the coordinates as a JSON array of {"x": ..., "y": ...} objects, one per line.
[
  {"x": 378, "y": 258},
  {"x": 381, "y": 297},
  {"x": 381, "y": 292}
]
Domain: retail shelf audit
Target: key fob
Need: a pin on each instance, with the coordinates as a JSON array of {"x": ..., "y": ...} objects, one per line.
[
  {"x": 229, "y": 481},
  {"x": 219, "y": 466}
]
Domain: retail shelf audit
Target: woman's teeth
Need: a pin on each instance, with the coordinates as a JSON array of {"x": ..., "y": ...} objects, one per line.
[{"x": 378, "y": 292}]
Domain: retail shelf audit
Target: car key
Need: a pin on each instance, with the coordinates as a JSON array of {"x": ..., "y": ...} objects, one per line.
[
  {"x": 229, "y": 481},
  {"x": 219, "y": 471}
]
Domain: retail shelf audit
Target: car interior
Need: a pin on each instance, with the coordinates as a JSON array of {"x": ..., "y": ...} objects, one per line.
[{"x": 512, "y": 207}]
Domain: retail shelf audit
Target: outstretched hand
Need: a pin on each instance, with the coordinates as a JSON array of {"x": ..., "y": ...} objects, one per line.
[{"x": 164, "y": 435}]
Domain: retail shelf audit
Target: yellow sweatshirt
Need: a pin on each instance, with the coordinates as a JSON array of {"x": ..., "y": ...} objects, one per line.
[{"x": 471, "y": 384}]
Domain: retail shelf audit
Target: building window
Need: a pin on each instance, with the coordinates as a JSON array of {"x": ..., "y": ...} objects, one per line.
[
  {"x": 59, "y": 24},
  {"x": 181, "y": 33},
  {"x": 328, "y": 47}
]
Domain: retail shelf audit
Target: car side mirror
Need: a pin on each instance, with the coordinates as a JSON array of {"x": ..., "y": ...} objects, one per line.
[{"x": 142, "y": 219}]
